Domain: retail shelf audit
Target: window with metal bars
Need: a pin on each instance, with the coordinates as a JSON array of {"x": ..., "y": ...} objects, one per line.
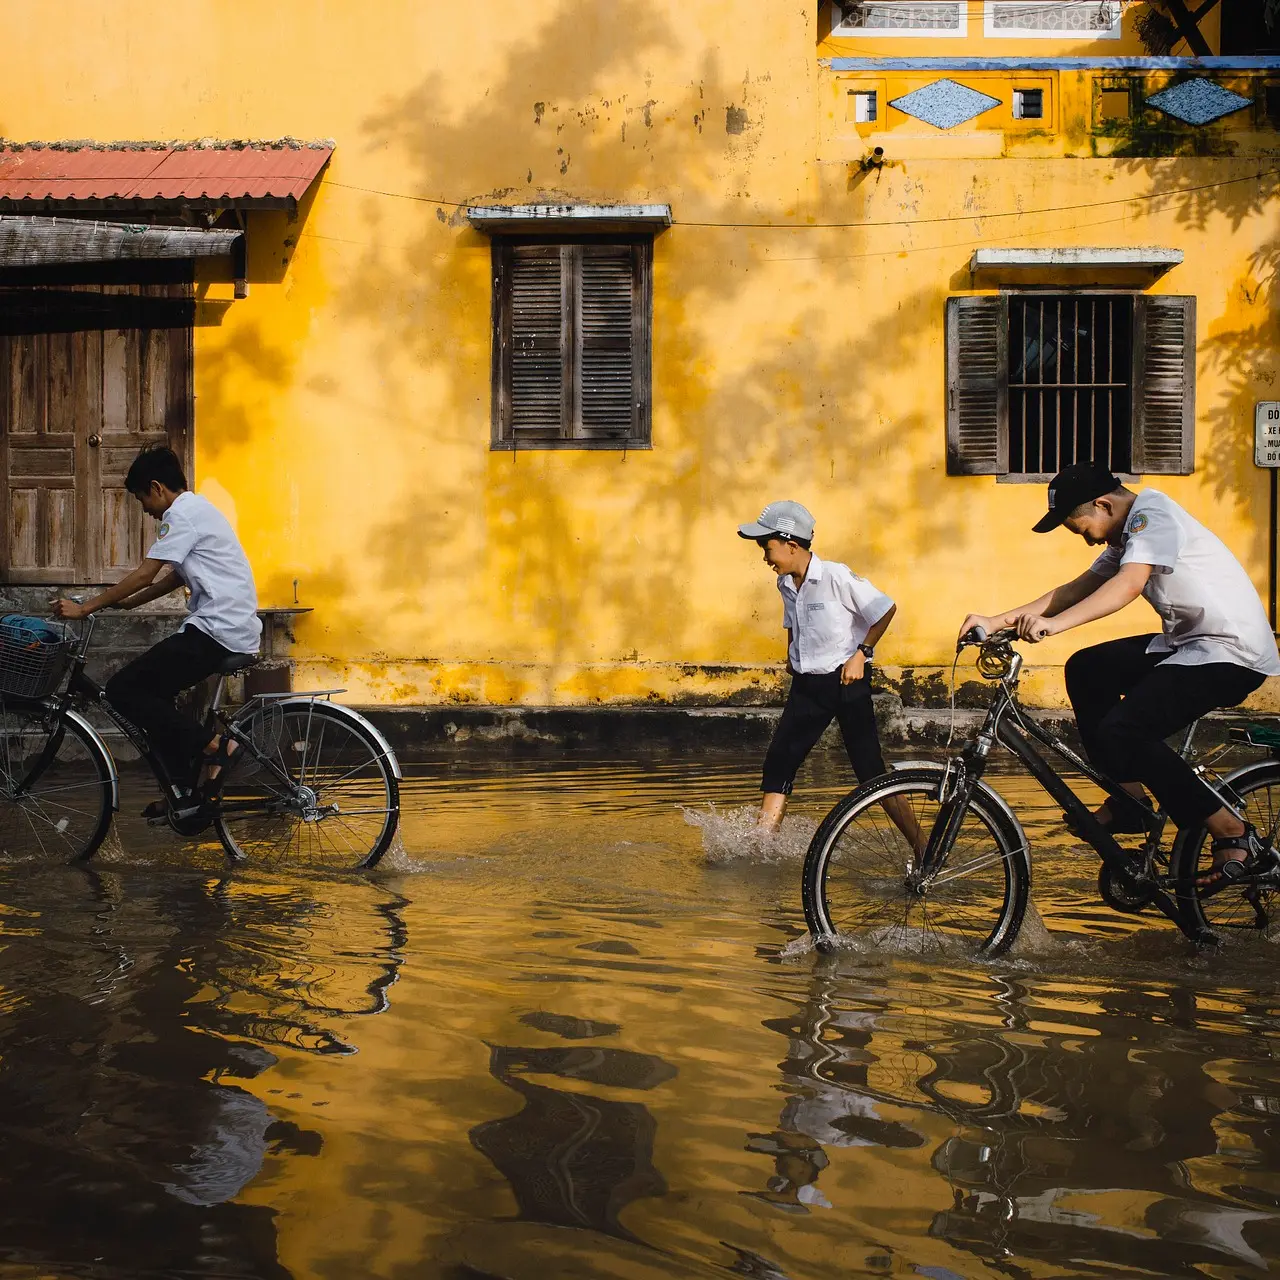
[
  {"x": 1038, "y": 380},
  {"x": 571, "y": 351},
  {"x": 1069, "y": 381}
]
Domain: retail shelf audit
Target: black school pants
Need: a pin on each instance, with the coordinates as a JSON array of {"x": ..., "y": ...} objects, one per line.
[
  {"x": 1128, "y": 701},
  {"x": 812, "y": 704},
  {"x": 144, "y": 693}
]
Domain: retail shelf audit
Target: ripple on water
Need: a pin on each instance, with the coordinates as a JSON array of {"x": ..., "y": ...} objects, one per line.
[{"x": 731, "y": 835}]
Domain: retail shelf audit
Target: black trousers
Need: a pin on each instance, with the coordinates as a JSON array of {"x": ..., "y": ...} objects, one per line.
[
  {"x": 144, "y": 692},
  {"x": 1128, "y": 701},
  {"x": 813, "y": 702}
]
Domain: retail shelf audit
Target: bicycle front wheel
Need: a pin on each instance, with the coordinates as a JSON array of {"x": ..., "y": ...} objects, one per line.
[
  {"x": 316, "y": 790},
  {"x": 856, "y": 872},
  {"x": 1232, "y": 908},
  {"x": 56, "y": 794}
]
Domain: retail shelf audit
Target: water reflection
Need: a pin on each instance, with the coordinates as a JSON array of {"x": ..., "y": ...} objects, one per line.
[
  {"x": 135, "y": 1022},
  {"x": 595, "y": 1054},
  {"x": 1086, "y": 1123},
  {"x": 574, "y": 1159}
]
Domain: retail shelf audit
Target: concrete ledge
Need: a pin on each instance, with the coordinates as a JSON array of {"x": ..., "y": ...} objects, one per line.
[{"x": 423, "y": 731}]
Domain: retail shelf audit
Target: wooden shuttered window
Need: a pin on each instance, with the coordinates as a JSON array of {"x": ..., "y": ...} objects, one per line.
[
  {"x": 1164, "y": 381},
  {"x": 1093, "y": 374},
  {"x": 571, "y": 344},
  {"x": 977, "y": 386}
]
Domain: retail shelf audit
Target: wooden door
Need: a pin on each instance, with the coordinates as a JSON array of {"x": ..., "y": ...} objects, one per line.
[{"x": 104, "y": 372}]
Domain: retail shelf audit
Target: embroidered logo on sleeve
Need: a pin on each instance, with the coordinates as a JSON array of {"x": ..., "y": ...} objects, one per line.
[
  {"x": 164, "y": 530},
  {"x": 1137, "y": 523}
]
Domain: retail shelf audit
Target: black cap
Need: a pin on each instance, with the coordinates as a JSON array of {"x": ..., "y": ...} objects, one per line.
[{"x": 1071, "y": 487}]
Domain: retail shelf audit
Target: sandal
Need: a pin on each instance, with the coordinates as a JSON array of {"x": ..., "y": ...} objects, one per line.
[
  {"x": 1246, "y": 844},
  {"x": 215, "y": 765},
  {"x": 156, "y": 811}
]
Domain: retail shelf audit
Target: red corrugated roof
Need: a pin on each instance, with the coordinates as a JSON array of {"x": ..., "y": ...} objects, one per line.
[{"x": 159, "y": 172}]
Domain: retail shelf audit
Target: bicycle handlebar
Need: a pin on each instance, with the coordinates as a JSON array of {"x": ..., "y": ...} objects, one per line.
[{"x": 978, "y": 636}]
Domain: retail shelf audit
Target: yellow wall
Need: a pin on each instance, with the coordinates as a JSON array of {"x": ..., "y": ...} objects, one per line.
[{"x": 343, "y": 409}]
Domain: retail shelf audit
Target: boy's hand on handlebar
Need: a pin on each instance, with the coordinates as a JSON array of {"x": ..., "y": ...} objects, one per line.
[
  {"x": 1034, "y": 627},
  {"x": 988, "y": 625},
  {"x": 69, "y": 610}
]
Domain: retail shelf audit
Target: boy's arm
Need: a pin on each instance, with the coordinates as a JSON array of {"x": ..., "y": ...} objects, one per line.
[
  {"x": 165, "y": 584},
  {"x": 141, "y": 577},
  {"x": 1049, "y": 605},
  {"x": 1110, "y": 596}
]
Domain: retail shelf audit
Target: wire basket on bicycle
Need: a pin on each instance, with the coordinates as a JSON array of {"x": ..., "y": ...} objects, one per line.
[{"x": 33, "y": 656}]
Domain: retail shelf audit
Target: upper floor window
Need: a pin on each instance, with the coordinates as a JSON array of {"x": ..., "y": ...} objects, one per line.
[
  {"x": 1091, "y": 19},
  {"x": 1039, "y": 380},
  {"x": 571, "y": 343},
  {"x": 1063, "y": 19},
  {"x": 899, "y": 18}
]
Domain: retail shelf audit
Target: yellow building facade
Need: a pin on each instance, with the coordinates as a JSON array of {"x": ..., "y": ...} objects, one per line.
[{"x": 804, "y": 190}]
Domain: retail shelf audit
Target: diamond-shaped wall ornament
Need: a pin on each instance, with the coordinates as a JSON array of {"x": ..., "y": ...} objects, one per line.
[
  {"x": 1197, "y": 101},
  {"x": 945, "y": 104}
]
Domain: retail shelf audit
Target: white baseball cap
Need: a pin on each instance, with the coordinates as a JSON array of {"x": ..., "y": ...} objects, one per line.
[{"x": 784, "y": 519}]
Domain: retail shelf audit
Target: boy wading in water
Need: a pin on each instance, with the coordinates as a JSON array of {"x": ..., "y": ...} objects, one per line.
[
  {"x": 1216, "y": 647},
  {"x": 195, "y": 548},
  {"x": 833, "y": 619}
]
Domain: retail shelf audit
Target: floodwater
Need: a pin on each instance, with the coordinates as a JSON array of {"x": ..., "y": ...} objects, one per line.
[{"x": 570, "y": 1031}]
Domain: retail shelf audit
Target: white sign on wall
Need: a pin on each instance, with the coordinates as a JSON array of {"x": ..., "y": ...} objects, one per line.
[{"x": 1266, "y": 434}]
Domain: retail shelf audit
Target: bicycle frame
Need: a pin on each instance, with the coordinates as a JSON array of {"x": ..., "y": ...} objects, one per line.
[
  {"x": 81, "y": 686},
  {"x": 1007, "y": 725}
]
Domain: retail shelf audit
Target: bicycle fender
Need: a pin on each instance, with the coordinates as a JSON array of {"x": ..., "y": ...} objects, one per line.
[
  {"x": 349, "y": 713},
  {"x": 100, "y": 744}
]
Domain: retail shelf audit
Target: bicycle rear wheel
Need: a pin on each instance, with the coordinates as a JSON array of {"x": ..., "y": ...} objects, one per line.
[
  {"x": 341, "y": 804},
  {"x": 856, "y": 872},
  {"x": 56, "y": 794},
  {"x": 1233, "y": 909}
]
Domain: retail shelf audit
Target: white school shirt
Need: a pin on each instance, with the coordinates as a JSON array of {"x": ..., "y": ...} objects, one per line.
[
  {"x": 197, "y": 540},
  {"x": 1209, "y": 607},
  {"x": 829, "y": 615}
]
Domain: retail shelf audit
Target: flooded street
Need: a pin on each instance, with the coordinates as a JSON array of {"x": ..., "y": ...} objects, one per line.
[{"x": 569, "y": 1031}]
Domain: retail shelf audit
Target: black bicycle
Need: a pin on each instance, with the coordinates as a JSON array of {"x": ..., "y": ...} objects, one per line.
[
  {"x": 314, "y": 783},
  {"x": 947, "y": 864}
]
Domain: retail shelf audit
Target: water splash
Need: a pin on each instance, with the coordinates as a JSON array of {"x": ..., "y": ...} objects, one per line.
[{"x": 731, "y": 835}]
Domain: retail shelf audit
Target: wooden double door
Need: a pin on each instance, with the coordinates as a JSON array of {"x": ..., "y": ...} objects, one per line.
[{"x": 89, "y": 375}]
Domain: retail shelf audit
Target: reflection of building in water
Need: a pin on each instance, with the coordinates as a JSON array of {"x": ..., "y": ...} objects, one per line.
[
  {"x": 130, "y": 1020},
  {"x": 831, "y": 1104},
  {"x": 573, "y": 1159},
  {"x": 1108, "y": 1148}
]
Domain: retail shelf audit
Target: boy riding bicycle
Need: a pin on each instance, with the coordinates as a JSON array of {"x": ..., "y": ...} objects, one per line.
[
  {"x": 195, "y": 548},
  {"x": 1216, "y": 647}
]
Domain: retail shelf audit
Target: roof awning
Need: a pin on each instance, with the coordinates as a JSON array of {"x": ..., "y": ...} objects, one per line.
[
  {"x": 1146, "y": 262},
  {"x": 559, "y": 218},
  {"x": 34, "y": 241},
  {"x": 244, "y": 175}
]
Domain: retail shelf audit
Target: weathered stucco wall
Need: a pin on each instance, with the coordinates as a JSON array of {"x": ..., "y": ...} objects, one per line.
[{"x": 343, "y": 408}]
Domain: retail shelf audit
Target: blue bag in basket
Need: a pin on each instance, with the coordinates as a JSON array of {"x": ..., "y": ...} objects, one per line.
[{"x": 19, "y": 630}]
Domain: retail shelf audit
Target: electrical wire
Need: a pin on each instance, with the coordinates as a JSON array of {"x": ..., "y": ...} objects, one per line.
[{"x": 1166, "y": 194}]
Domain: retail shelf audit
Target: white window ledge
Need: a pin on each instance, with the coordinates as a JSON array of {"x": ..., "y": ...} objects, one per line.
[
  {"x": 1145, "y": 259},
  {"x": 536, "y": 218}
]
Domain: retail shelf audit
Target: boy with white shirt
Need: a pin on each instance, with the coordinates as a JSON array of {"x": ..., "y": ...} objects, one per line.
[
  {"x": 1129, "y": 695},
  {"x": 196, "y": 548},
  {"x": 833, "y": 619}
]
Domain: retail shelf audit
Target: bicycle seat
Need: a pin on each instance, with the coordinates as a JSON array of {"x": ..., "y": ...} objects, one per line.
[{"x": 234, "y": 662}]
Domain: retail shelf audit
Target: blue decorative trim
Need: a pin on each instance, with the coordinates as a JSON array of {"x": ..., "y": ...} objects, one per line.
[{"x": 1052, "y": 64}]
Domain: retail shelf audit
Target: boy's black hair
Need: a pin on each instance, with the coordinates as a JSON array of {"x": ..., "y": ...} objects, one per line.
[
  {"x": 806, "y": 543},
  {"x": 155, "y": 463}
]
